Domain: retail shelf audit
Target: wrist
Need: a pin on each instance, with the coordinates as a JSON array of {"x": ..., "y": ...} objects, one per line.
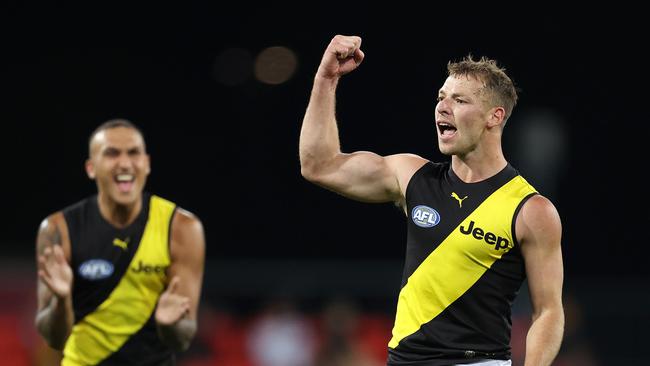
[
  {"x": 325, "y": 83},
  {"x": 326, "y": 79},
  {"x": 60, "y": 303}
]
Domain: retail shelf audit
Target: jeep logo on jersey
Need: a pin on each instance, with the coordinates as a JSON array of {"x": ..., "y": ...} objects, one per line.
[
  {"x": 96, "y": 269},
  {"x": 424, "y": 216},
  {"x": 148, "y": 268},
  {"x": 490, "y": 238}
]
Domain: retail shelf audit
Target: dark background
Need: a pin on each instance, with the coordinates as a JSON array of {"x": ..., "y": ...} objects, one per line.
[{"x": 229, "y": 153}]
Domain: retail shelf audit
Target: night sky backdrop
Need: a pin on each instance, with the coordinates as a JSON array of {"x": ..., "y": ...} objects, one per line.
[{"x": 229, "y": 153}]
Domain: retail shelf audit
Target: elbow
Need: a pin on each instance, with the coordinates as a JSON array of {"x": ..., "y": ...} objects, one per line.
[
  {"x": 308, "y": 163},
  {"x": 55, "y": 344},
  {"x": 178, "y": 344},
  {"x": 314, "y": 170},
  {"x": 552, "y": 316},
  {"x": 178, "y": 336},
  {"x": 184, "y": 343},
  {"x": 308, "y": 173},
  {"x": 54, "y": 341},
  {"x": 308, "y": 169},
  {"x": 181, "y": 346},
  {"x": 314, "y": 176},
  {"x": 53, "y": 338}
]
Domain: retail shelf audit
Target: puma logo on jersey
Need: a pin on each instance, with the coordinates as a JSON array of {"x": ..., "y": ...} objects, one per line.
[
  {"x": 460, "y": 200},
  {"x": 488, "y": 237},
  {"x": 121, "y": 243}
]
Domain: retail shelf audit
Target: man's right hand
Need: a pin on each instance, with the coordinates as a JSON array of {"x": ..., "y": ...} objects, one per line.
[
  {"x": 342, "y": 55},
  {"x": 55, "y": 271}
]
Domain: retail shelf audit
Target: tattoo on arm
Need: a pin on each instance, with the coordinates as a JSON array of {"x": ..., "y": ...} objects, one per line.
[{"x": 49, "y": 236}]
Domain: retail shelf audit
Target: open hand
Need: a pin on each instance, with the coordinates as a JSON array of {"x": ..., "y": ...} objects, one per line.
[
  {"x": 171, "y": 305},
  {"x": 54, "y": 270}
]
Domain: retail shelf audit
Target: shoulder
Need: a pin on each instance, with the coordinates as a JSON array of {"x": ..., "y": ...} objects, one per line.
[
  {"x": 183, "y": 218},
  {"x": 53, "y": 230},
  {"x": 406, "y": 160},
  {"x": 185, "y": 225},
  {"x": 187, "y": 236},
  {"x": 538, "y": 218},
  {"x": 51, "y": 221},
  {"x": 53, "y": 224},
  {"x": 405, "y": 165}
]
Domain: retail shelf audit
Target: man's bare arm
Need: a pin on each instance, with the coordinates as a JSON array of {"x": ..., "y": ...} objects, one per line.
[
  {"x": 540, "y": 229},
  {"x": 177, "y": 308},
  {"x": 54, "y": 317}
]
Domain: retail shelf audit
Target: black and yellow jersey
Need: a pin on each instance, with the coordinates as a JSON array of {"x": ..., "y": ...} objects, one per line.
[
  {"x": 463, "y": 268},
  {"x": 118, "y": 276}
]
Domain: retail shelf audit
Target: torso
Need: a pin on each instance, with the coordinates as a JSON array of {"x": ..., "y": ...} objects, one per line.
[
  {"x": 118, "y": 276},
  {"x": 463, "y": 267}
]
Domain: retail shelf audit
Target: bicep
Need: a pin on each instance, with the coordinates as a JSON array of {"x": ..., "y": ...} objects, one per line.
[
  {"x": 188, "y": 256},
  {"x": 541, "y": 231},
  {"x": 368, "y": 177}
]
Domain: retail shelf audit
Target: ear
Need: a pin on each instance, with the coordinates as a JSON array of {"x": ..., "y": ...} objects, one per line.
[
  {"x": 497, "y": 114},
  {"x": 90, "y": 169},
  {"x": 148, "y": 162}
]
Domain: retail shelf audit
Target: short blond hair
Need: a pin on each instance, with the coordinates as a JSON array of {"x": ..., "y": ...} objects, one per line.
[{"x": 500, "y": 89}]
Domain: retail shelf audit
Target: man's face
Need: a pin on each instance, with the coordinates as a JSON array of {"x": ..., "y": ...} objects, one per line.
[
  {"x": 119, "y": 164},
  {"x": 461, "y": 115}
]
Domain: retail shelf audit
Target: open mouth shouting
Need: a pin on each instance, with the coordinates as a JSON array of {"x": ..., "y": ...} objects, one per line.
[
  {"x": 124, "y": 182},
  {"x": 446, "y": 130}
]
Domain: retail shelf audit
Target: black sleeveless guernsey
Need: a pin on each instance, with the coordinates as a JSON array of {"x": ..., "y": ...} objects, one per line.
[
  {"x": 118, "y": 276},
  {"x": 463, "y": 268}
]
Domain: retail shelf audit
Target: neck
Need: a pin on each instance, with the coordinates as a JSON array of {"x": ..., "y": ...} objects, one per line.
[
  {"x": 117, "y": 214},
  {"x": 475, "y": 167}
]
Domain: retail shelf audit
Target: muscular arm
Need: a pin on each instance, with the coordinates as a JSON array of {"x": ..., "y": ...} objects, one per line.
[
  {"x": 362, "y": 175},
  {"x": 177, "y": 308},
  {"x": 539, "y": 229},
  {"x": 54, "y": 317}
]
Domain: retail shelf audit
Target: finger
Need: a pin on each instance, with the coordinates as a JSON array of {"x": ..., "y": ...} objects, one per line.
[
  {"x": 47, "y": 252},
  {"x": 46, "y": 269},
  {"x": 342, "y": 52},
  {"x": 186, "y": 307},
  {"x": 352, "y": 43},
  {"x": 358, "y": 56},
  {"x": 58, "y": 254},
  {"x": 173, "y": 285},
  {"x": 344, "y": 47},
  {"x": 41, "y": 261},
  {"x": 42, "y": 274},
  {"x": 357, "y": 41},
  {"x": 45, "y": 277}
]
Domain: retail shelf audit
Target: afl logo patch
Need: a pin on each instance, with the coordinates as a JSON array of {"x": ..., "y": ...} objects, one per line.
[
  {"x": 425, "y": 216},
  {"x": 96, "y": 269}
]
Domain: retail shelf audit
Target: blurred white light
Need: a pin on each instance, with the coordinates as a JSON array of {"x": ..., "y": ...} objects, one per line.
[{"x": 275, "y": 65}]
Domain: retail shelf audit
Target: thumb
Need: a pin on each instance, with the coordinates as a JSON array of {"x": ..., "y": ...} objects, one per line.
[{"x": 173, "y": 285}]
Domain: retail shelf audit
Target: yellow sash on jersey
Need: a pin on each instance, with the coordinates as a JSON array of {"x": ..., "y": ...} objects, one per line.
[
  {"x": 458, "y": 262},
  {"x": 130, "y": 305}
]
